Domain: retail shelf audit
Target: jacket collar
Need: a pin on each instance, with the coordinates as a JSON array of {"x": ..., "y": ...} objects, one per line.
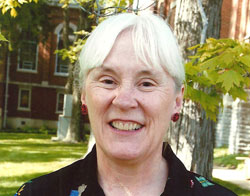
[{"x": 178, "y": 182}]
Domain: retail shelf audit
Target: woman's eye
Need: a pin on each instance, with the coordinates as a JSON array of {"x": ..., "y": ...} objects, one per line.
[
  {"x": 108, "y": 81},
  {"x": 147, "y": 84}
]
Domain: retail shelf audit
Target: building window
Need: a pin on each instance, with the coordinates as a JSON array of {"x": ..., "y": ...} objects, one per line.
[
  {"x": 62, "y": 64},
  {"x": 24, "y": 99},
  {"x": 60, "y": 102},
  {"x": 28, "y": 54}
]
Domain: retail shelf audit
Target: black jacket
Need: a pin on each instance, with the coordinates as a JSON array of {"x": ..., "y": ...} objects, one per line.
[{"x": 81, "y": 176}]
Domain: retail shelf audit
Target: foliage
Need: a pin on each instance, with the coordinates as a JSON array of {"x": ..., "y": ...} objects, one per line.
[
  {"x": 218, "y": 67},
  {"x": 26, "y": 156},
  {"x": 12, "y": 5},
  {"x": 2, "y": 38},
  {"x": 74, "y": 50},
  {"x": 32, "y": 18},
  {"x": 102, "y": 8},
  {"x": 235, "y": 188},
  {"x": 224, "y": 159}
]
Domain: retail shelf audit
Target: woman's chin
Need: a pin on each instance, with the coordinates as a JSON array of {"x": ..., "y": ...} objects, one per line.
[{"x": 125, "y": 152}]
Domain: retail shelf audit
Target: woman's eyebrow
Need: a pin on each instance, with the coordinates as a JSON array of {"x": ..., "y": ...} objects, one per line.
[
  {"x": 144, "y": 72},
  {"x": 148, "y": 72},
  {"x": 104, "y": 68}
]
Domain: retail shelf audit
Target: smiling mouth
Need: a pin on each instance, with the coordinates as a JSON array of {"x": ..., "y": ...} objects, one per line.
[{"x": 125, "y": 126}]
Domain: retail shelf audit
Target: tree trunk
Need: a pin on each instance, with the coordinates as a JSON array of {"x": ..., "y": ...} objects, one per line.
[
  {"x": 66, "y": 43},
  {"x": 76, "y": 131},
  {"x": 66, "y": 28},
  {"x": 193, "y": 136}
]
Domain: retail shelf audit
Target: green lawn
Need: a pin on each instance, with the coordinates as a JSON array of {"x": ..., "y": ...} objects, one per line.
[
  {"x": 236, "y": 189},
  {"x": 223, "y": 158},
  {"x": 25, "y": 156}
]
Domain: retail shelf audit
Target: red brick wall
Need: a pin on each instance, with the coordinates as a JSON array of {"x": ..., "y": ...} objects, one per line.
[
  {"x": 226, "y": 14},
  {"x": 235, "y": 19},
  {"x": 43, "y": 103},
  {"x": 2, "y": 79}
]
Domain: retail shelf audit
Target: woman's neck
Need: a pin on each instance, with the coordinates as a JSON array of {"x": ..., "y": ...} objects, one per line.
[{"x": 139, "y": 177}]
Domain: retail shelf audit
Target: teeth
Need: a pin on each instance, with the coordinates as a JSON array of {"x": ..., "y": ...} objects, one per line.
[{"x": 128, "y": 126}]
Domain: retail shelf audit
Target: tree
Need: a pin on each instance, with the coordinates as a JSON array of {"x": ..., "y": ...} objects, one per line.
[
  {"x": 32, "y": 16},
  {"x": 76, "y": 130},
  {"x": 193, "y": 135},
  {"x": 12, "y": 5}
]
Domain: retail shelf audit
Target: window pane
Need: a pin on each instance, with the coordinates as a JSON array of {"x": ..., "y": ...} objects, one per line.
[
  {"x": 28, "y": 52},
  {"x": 60, "y": 102},
  {"x": 62, "y": 65},
  {"x": 24, "y": 99}
]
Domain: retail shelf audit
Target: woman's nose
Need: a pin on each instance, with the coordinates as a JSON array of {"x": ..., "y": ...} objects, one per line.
[{"x": 125, "y": 98}]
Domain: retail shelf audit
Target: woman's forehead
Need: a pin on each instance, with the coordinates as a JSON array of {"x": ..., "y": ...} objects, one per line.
[{"x": 136, "y": 72}]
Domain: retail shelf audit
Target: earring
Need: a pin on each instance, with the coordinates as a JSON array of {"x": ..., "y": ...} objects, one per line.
[
  {"x": 84, "y": 109},
  {"x": 175, "y": 117}
]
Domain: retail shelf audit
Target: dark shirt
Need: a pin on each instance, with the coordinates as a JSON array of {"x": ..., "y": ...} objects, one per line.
[{"x": 81, "y": 177}]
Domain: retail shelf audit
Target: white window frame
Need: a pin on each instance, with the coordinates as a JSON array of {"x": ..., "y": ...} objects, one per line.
[
  {"x": 57, "y": 102},
  {"x": 58, "y": 31},
  {"x": 19, "y": 99},
  {"x": 36, "y": 60}
]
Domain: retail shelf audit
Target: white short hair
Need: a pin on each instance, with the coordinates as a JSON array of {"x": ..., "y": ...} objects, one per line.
[{"x": 153, "y": 40}]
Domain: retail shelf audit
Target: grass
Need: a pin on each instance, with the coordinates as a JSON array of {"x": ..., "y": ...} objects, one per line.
[
  {"x": 24, "y": 156},
  {"x": 236, "y": 189},
  {"x": 224, "y": 159}
]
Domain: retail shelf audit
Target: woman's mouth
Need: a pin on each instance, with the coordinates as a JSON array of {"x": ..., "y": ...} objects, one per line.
[{"x": 125, "y": 126}]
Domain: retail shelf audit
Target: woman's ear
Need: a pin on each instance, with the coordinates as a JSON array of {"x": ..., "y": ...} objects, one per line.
[{"x": 179, "y": 100}]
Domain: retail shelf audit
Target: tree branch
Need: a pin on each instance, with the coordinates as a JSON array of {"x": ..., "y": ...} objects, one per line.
[
  {"x": 204, "y": 22},
  {"x": 100, "y": 8}
]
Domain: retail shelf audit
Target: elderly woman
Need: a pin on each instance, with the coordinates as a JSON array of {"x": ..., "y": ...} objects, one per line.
[{"x": 132, "y": 87}]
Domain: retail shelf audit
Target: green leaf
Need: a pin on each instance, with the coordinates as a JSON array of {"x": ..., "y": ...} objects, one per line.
[
  {"x": 13, "y": 12},
  {"x": 194, "y": 47},
  {"x": 191, "y": 70},
  {"x": 210, "y": 64},
  {"x": 238, "y": 93},
  {"x": 227, "y": 58},
  {"x": 229, "y": 79},
  {"x": 212, "y": 76},
  {"x": 2, "y": 38},
  {"x": 247, "y": 81},
  {"x": 245, "y": 60}
]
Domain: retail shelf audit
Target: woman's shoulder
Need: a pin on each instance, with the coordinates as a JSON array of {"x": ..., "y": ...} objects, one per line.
[
  {"x": 205, "y": 187},
  {"x": 59, "y": 182}
]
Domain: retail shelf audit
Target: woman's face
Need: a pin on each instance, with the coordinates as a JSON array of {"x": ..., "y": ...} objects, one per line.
[{"x": 130, "y": 105}]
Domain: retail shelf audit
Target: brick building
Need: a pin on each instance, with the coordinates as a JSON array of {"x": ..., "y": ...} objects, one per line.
[
  {"x": 235, "y": 19},
  {"x": 32, "y": 79}
]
